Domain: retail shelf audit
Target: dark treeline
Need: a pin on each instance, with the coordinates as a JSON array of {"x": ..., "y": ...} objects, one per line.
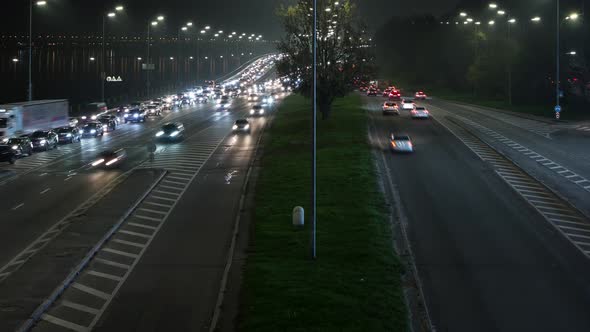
[{"x": 484, "y": 60}]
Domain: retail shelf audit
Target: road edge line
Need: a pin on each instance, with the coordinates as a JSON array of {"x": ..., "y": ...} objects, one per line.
[
  {"x": 231, "y": 252},
  {"x": 397, "y": 212},
  {"x": 36, "y": 315}
]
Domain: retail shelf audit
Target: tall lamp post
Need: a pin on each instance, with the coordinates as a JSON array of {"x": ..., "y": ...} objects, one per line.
[
  {"x": 557, "y": 58},
  {"x": 314, "y": 132},
  {"x": 149, "y": 66},
  {"x": 103, "y": 51},
  {"x": 31, "y": 4}
]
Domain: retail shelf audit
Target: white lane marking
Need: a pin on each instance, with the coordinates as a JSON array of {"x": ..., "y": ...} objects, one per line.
[
  {"x": 166, "y": 192},
  {"x": 64, "y": 323},
  {"x": 170, "y": 187},
  {"x": 576, "y": 229},
  {"x": 112, "y": 263},
  {"x": 148, "y": 218},
  {"x": 68, "y": 178},
  {"x": 18, "y": 206},
  {"x": 163, "y": 198},
  {"x": 145, "y": 236},
  {"x": 561, "y": 215},
  {"x": 159, "y": 204},
  {"x": 119, "y": 252},
  {"x": 79, "y": 307},
  {"x": 129, "y": 243},
  {"x": 141, "y": 226},
  {"x": 91, "y": 291},
  {"x": 45, "y": 191},
  {"x": 152, "y": 211},
  {"x": 175, "y": 182},
  {"x": 104, "y": 275},
  {"x": 179, "y": 178}
]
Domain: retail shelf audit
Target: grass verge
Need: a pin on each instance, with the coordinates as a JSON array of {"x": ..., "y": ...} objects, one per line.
[{"x": 354, "y": 285}]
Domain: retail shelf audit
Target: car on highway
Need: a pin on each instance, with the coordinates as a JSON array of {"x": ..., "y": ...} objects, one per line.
[
  {"x": 241, "y": 125},
  {"x": 372, "y": 92},
  {"x": 386, "y": 92},
  {"x": 21, "y": 145},
  {"x": 420, "y": 95},
  {"x": 395, "y": 95},
  {"x": 44, "y": 140},
  {"x": 68, "y": 134},
  {"x": 7, "y": 154},
  {"x": 135, "y": 115},
  {"x": 400, "y": 143},
  {"x": 253, "y": 97},
  {"x": 201, "y": 99},
  {"x": 408, "y": 105},
  {"x": 420, "y": 113},
  {"x": 108, "y": 124},
  {"x": 109, "y": 158},
  {"x": 390, "y": 108},
  {"x": 171, "y": 131},
  {"x": 93, "y": 129},
  {"x": 257, "y": 110},
  {"x": 153, "y": 110}
]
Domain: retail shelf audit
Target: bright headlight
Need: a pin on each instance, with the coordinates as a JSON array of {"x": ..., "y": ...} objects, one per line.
[
  {"x": 175, "y": 133},
  {"x": 126, "y": 115},
  {"x": 69, "y": 135},
  {"x": 247, "y": 126},
  {"x": 93, "y": 131},
  {"x": 98, "y": 162},
  {"x": 42, "y": 142},
  {"x": 252, "y": 111},
  {"x": 104, "y": 126},
  {"x": 15, "y": 147},
  {"x": 235, "y": 127},
  {"x": 136, "y": 115},
  {"x": 93, "y": 117},
  {"x": 160, "y": 133}
]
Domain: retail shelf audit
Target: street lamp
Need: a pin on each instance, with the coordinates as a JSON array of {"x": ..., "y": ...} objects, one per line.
[
  {"x": 30, "y": 74},
  {"x": 571, "y": 53},
  {"x": 103, "y": 51},
  {"x": 149, "y": 65},
  {"x": 493, "y": 6},
  {"x": 536, "y": 19}
]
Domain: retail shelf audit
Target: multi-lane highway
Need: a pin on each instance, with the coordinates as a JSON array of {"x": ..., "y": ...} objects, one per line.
[
  {"x": 495, "y": 248},
  {"x": 172, "y": 244}
]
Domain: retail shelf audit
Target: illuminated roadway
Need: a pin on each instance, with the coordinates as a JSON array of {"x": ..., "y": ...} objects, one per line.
[{"x": 178, "y": 270}]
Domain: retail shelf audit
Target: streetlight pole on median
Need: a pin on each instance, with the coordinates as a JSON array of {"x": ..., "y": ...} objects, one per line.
[
  {"x": 149, "y": 65},
  {"x": 103, "y": 51},
  {"x": 30, "y": 74},
  {"x": 314, "y": 134},
  {"x": 557, "y": 75}
]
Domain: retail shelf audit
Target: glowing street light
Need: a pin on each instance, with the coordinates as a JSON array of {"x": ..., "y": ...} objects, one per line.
[
  {"x": 573, "y": 17},
  {"x": 15, "y": 60},
  {"x": 41, "y": 3},
  {"x": 493, "y": 6},
  {"x": 512, "y": 21},
  {"x": 491, "y": 22},
  {"x": 111, "y": 14},
  {"x": 536, "y": 19},
  {"x": 501, "y": 12},
  {"x": 463, "y": 14},
  {"x": 119, "y": 8},
  {"x": 572, "y": 53},
  {"x": 160, "y": 18}
]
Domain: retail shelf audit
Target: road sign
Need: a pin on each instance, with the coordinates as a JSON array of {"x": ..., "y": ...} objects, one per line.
[
  {"x": 114, "y": 79},
  {"x": 557, "y": 109}
]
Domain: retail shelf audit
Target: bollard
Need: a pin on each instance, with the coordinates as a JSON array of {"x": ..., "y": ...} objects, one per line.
[{"x": 298, "y": 216}]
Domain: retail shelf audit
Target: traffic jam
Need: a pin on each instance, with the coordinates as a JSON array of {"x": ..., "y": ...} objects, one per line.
[
  {"x": 393, "y": 105},
  {"x": 29, "y": 128}
]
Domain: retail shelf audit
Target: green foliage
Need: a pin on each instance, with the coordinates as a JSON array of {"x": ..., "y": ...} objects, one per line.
[
  {"x": 341, "y": 51},
  {"x": 354, "y": 285}
]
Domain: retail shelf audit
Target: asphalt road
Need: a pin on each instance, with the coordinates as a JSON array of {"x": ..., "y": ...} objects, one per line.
[
  {"x": 50, "y": 185},
  {"x": 487, "y": 260}
]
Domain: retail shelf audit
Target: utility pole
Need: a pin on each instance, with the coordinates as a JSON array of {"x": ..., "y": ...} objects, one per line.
[{"x": 314, "y": 136}]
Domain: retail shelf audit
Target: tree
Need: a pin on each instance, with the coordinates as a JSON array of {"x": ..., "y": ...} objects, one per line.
[{"x": 342, "y": 49}]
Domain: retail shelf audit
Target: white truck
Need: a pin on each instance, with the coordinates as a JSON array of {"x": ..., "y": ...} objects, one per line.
[{"x": 25, "y": 117}]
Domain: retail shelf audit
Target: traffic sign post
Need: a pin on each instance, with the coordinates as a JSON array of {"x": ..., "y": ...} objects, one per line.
[{"x": 557, "y": 112}]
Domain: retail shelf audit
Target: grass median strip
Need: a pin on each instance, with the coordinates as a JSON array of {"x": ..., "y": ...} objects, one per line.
[{"x": 354, "y": 285}]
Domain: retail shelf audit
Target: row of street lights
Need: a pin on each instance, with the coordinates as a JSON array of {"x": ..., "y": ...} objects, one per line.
[
  {"x": 536, "y": 19},
  {"x": 111, "y": 14}
]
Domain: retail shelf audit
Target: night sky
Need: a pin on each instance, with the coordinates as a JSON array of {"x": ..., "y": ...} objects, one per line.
[{"x": 252, "y": 16}]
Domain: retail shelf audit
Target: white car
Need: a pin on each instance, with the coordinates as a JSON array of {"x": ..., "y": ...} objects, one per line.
[
  {"x": 400, "y": 143},
  {"x": 390, "y": 108},
  {"x": 420, "y": 113},
  {"x": 408, "y": 105}
]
